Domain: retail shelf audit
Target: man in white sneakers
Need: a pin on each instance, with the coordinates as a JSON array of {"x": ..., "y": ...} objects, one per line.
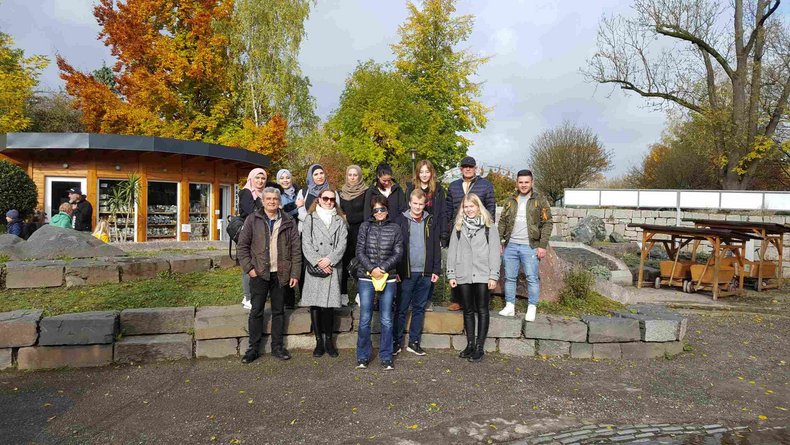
[{"x": 524, "y": 230}]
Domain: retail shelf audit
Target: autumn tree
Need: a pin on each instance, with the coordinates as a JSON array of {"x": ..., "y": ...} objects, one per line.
[
  {"x": 568, "y": 156},
  {"x": 442, "y": 76},
  {"x": 265, "y": 38},
  {"x": 18, "y": 79},
  {"x": 728, "y": 66},
  {"x": 54, "y": 112}
]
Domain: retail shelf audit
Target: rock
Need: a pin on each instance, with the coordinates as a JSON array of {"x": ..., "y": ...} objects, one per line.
[
  {"x": 554, "y": 348},
  {"x": 19, "y": 328},
  {"x": 91, "y": 272},
  {"x": 34, "y": 274},
  {"x": 620, "y": 249},
  {"x": 504, "y": 327},
  {"x": 673, "y": 348},
  {"x": 617, "y": 237},
  {"x": 581, "y": 350},
  {"x": 299, "y": 342},
  {"x": 635, "y": 351},
  {"x": 517, "y": 347},
  {"x": 189, "y": 263},
  {"x": 344, "y": 319},
  {"x": 606, "y": 350},
  {"x": 162, "y": 320},
  {"x": 222, "y": 261},
  {"x": 346, "y": 340},
  {"x": 221, "y": 322},
  {"x": 441, "y": 321},
  {"x": 84, "y": 328},
  {"x": 615, "y": 291},
  {"x": 142, "y": 268},
  {"x": 608, "y": 330},
  {"x": 6, "y": 358},
  {"x": 556, "y": 238},
  {"x": 653, "y": 328},
  {"x": 9, "y": 246},
  {"x": 658, "y": 253},
  {"x": 590, "y": 229},
  {"x": 555, "y": 328},
  {"x": 50, "y": 242},
  {"x": 650, "y": 274},
  {"x": 459, "y": 343},
  {"x": 221, "y": 347},
  {"x": 552, "y": 270},
  {"x": 297, "y": 321},
  {"x": 151, "y": 348},
  {"x": 49, "y": 357}
]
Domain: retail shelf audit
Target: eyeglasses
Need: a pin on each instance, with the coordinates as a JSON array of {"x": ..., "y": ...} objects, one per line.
[
  {"x": 328, "y": 199},
  {"x": 380, "y": 210}
]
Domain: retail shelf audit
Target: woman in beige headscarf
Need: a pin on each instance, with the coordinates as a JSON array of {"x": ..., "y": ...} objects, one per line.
[{"x": 352, "y": 201}]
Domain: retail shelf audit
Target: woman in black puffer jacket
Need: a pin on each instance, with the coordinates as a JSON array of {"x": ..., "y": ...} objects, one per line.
[{"x": 379, "y": 249}]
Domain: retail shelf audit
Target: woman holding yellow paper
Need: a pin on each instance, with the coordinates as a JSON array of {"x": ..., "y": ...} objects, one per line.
[{"x": 379, "y": 249}]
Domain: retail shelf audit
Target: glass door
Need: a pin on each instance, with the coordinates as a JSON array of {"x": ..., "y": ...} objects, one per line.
[
  {"x": 55, "y": 192},
  {"x": 162, "y": 218},
  {"x": 122, "y": 219},
  {"x": 225, "y": 199},
  {"x": 199, "y": 204}
]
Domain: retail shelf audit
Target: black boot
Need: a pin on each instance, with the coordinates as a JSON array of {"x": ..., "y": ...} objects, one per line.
[
  {"x": 478, "y": 353},
  {"x": 315, "y": 319},
  {"x": 466, "y": 353},
  {"x": 469, "y": 328},
  {"x": 328, "y": 323}
]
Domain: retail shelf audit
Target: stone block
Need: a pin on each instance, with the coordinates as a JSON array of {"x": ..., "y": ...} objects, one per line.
[
  {"x": 344, "y": 319},
  {"x": 555, "y": 328},
  {"x": 142, "y": 268},
  {"x": 622, "y": 214},
  {"x": 442, "y": 321},
  {"x": 90, "y": 272},
  {"x": 189, "y": 263},
  {"x": 434, "y": 341},
  {"x": 595, "y": 212},
  {"x": 652, "y": 328},
  {"x": 221, "y": 322},
  {"x": 83, "y": 328},
  {"x": 606, "y": 350},
  {"x": 264, "y": 348},
  {"x": 297, "y": 321},
  {"x": 517, "y": 347},
  {"x": 673, "y": 348},
  {"x": 6, "y": 358},
  {"x": 612, "y": 329},
  {"x": 459, "y": 343},
  {"x": 504, "y": 327},
  {"x": 152, "y": 348},
  {"x": 639, "y": 350},
  {"x": 217, "y": 348},
  {"x": 48, "y": 357},
  {"x": 162, "y": 320},
  {"x": 581, "y": 350},
  {"x": 299, "y": 342},
  {"x": 346, "y": 340},
  {"x": 19, "y": 328},
  {"x": 650, "y": 213},
  {"x": 554, "y": 348},
  {"x": 666, "y": 214},
  {"x": 222, "y": 261},
  {"x": 33, "y": 274}
]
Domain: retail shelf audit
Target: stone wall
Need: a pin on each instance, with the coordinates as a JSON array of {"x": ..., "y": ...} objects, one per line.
[
  {"x": 29, "y": 341},
  {"x": 617, "y": 220}
]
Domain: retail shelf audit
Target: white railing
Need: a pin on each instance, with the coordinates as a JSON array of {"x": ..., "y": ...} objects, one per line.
[{"x": 679, "y": 199}]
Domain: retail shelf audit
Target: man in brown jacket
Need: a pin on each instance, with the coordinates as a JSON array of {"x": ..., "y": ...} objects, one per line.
[{"x": 270, "y": 252}]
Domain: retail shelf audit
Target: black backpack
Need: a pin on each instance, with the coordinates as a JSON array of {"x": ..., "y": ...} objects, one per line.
[{"x": 235, "y": 224}]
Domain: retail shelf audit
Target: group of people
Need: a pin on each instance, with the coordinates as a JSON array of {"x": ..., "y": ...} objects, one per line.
[
  {"x": 390, "y": 239},
  {"x": 76, "y": 213}
]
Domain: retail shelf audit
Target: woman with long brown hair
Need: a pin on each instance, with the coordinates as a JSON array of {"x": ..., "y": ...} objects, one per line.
[{"x": 352, "y": 201}]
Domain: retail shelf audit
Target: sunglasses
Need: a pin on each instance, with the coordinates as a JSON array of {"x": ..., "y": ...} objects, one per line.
[
  {"x": 380, "y": 210},
  {"x": 328, "y": 198}
]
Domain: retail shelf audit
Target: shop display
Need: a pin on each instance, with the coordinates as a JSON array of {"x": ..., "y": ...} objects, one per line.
[
  {"x": 119, "y": 229},
  {"x": 162, "y": 221},
  {"x": 199, "y": 211}
]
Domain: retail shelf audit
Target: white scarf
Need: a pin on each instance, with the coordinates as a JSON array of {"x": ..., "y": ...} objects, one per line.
[{"x": 326, "y": 215}]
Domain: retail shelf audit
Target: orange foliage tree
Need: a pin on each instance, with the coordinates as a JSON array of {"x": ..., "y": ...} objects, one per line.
[{"x": 172, "y": 77}]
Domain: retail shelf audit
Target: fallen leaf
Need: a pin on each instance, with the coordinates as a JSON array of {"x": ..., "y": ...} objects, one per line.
[
  {"x": 762, "y": 417},
  {"x": 413, "y": 427},
  {"x": 781, "y": 408}
]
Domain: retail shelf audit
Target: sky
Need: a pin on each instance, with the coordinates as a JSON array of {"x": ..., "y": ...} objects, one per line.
[{"x": 532, "y": 82}]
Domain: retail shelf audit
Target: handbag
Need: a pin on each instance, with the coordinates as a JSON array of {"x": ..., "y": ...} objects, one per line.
[{"x": 312, "y": 269}]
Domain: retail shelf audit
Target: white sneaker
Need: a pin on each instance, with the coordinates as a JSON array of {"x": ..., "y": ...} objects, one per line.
[
  {"x": 344, "y": 300},
  {"x": 357, "y": 299},
  {"x": 509, "y": 310},
  {"x": 532, "y": 310},
  {"x": 246, "y": 303}
]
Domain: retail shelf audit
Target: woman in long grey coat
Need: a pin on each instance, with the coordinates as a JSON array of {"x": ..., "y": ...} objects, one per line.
[{"x": 324, "y": 233}]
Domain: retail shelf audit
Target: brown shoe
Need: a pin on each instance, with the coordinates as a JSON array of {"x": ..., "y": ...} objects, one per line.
[{"x": 454, "y": 307}]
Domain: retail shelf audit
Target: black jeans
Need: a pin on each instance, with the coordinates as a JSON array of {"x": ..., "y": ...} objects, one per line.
[
  {"x": 474, "y": 299},
  {"x": 259, "y": 290}
]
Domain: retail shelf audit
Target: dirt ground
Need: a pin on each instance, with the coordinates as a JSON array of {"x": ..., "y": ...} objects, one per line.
[{"x": 735, "y": 373}]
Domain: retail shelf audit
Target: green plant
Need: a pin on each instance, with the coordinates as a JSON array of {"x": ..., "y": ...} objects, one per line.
[
  {"x": 17, "y": 190},
  {"x": 578, "y": 288},
  {"x": 600, "y": 271},
  {"x": 122, "y": 200}
]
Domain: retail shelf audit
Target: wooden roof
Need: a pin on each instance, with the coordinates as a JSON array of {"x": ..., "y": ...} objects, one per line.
[
  {"x": 700, "y": 233},
  {"x": 769, "y": 227}
]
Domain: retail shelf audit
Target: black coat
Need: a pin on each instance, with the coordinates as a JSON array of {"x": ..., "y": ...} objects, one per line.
[
  {"x": 397, "y": 200},
  {"x": 433, "y": 254},
  {"x": 246, "y": 204},
  {"x": 83, "y": 216},
  {"x": 380, "y": 244},
  {"x": 455, "y": 193},
  {"x": 355, "y": 214}
]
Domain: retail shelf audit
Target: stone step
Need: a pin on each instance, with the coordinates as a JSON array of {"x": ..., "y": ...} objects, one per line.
[
  {"x": 163, "y": 320},
  {"x": 151, "y": 348},
  {"x": 49, "y": 357},
  {"x": 19, "y": 328},
  {"x": 83, "y": 328}
]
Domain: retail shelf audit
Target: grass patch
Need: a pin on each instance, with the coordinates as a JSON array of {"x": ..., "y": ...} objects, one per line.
[
  {"x": 213, "y": 288},
  {"x": 594, "y": 304}
]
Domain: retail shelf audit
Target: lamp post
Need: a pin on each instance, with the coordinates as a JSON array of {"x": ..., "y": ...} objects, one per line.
[{"x": 413, "y": 159}]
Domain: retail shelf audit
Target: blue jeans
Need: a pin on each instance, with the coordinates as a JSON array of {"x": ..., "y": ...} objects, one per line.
[
  {"x": 515, "y": 256},
  {"x": 415, "y": 292},
  {"x": 386, "y": 297}
]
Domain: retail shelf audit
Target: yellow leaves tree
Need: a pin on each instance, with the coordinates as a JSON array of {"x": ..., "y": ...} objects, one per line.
[{"x": 18, "y": 78}]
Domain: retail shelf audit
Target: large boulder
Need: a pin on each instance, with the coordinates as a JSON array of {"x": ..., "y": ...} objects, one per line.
[
  {"x": 590, "y": 229},
  {"x": 9, "y": 246},
  {"x": 50, "y": 242},
  {"x": 552, "y": 278}
]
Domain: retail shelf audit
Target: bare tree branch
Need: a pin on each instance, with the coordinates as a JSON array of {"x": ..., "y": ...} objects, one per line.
[{"x": 666, "y": 96}]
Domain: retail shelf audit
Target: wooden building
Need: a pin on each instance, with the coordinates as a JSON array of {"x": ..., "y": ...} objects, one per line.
[{"x": 187, "y": 188}]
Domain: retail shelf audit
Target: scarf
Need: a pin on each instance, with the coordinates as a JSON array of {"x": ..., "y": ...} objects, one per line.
[
  {"x": 290, "y": 190},
  {"x": 351, "y": 191},
  {"x": 326, "y": 215},
  {"x": 256, "y": 193},
  {"x": 312, "y": 188},
  {"x": 473, "y": 225}
]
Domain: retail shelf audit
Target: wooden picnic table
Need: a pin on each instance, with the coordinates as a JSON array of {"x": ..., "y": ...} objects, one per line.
[
  {"x": 721, "y": 241},
  {"x": 771, "y": 234}
]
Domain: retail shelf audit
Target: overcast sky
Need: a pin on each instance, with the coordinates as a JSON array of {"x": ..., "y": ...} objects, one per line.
[{"x": 532, "y": 81}]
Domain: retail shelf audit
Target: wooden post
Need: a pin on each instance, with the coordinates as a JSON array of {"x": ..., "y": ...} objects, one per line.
[
  {"x": 780, "y": 272},
  {"x": 764, "y": 243},
  {"x": 642, "y": 256},
  {"x": 716, "y": 265}
]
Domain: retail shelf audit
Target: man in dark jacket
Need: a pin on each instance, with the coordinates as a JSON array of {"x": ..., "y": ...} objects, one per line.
[
  {"x": 82, "y": 215},
  {"x": 470, "y": 182},
  {"x": 270, "y": 251},
  {"x": 420, "y": 267}
]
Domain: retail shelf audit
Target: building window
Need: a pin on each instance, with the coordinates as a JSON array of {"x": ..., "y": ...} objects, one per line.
[{"x": 162, "y": 211}]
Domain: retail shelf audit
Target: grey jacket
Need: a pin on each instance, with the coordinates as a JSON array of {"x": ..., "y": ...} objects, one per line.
[
  {"x": 319, "y": 241},
  {"x": 474, "y": 260}
]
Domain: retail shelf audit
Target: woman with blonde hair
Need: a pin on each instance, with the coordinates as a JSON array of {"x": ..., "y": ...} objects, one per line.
[
  {"x": 102, "y": 231},
  {"x": 324, "y": 233},
  {"x": 473, "y": 263}
]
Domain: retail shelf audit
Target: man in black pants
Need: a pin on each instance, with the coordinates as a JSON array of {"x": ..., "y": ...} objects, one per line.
[
  {"x": 270, "y": 252},
  {"x": 82, "y": 213}
]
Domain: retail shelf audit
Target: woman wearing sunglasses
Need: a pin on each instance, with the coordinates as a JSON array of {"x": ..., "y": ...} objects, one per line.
[
  {"x": 324, "y": 235},
  {"x": 379, "y": 249}
]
